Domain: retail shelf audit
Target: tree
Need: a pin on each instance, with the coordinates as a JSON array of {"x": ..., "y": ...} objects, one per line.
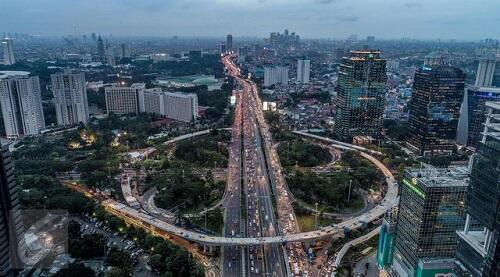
[
  {"x": 75, "y": 270},
  {"x": 74, "y": 230}
]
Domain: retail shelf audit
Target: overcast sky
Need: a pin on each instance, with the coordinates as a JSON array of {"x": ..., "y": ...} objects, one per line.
[{"x": 447, "y": 19}]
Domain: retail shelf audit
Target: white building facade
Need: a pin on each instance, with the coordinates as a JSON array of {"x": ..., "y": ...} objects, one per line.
[
  {"x": 8, "y": 51},
  {"x": 70, "y": 98},
  {"x": 21, "y": 102},
  {"x": 123, "y": 100},
  {"x": 303, "y": 71},
  {"x": 275, "y": 75}
]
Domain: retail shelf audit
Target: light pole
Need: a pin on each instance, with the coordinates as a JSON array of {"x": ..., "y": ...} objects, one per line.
[
  {"x": 316, "y": 216},
  {"x": 349, "y": 194}
]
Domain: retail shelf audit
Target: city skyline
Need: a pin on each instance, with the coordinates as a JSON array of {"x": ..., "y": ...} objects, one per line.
[{"x": 216, "y": 18}]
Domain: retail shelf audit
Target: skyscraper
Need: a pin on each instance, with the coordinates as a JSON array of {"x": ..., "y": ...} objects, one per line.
[
  {"x": 229, "y": 42},
  {"x": 360, "y": 95},
  {"x": 70, "y": 97},
  {"x": 431, "y": 210},
  {"x": 101, "y": 51},
  {"x": 275, "y": 75},
  {"x": 303, "y": 70},
  {"x": 485, "y": 72},
  {"x": 434, "y": 109},
  {"x": 478, "y": 252},
  {"x": 123, "y": 100},
  {"x": 473, "y": 114},
  {"x": 21, "y": 102},
  {"x": 10, "y": 219},
  {"x": 8, "y": 52}
]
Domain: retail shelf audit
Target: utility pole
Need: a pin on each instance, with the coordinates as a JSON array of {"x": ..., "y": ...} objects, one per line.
[
  {"x": 316, "y": 216},
  {"x": 349, "y": 194}
]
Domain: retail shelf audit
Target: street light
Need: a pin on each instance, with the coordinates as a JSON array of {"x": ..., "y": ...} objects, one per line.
[{"x": 349, "y": 194}]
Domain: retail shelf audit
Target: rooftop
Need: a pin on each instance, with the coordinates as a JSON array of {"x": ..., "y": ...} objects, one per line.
[
  {"x": 432, "y": 177},
  {"x": 7, "y": 74}
]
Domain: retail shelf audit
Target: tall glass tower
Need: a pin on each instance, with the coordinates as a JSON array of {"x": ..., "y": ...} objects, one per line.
[
  {"x": 435, "y": 109},
  {"x": 360, "y": 95},
  {"x": 478, "y": 251}
]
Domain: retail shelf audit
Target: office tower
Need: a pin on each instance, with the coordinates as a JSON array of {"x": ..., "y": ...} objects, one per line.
[
  {"x": 70, "y": 97},
  {"x": 303, "y": 69},
  {"x": 124, "y": 53},
  {"x": 151, "y": 101},
  {"x": 485, "y": 72},
  {"x": 222, "y": 48},
  {"x": 360, "y": 95},
  {"x": 21, "y": 102},
  {"x": 370, "y": 39},
  {"x": 478, "y": 251},
  {"x": 8, "y": 51},
  {"x": 101, "y": 51},
  {"x": 434, "y": 59},
  {"x": 431, "y": 210},
  {"x": 11, "y": 229},
  {"x": 385, "y": 247},
  {"x": 473, "y": 114},
  {"x": 123, "y": 100},
  {"x": 94, "y": 37},
  {"x": 434, "y": 109},
  {"x": 229, "y": 42},
  {"x": 275, "y": 75},
  {"x": 180, "y": 106}
]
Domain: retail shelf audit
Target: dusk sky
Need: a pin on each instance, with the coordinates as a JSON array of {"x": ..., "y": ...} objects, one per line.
[{"x": 447, "y": 19}]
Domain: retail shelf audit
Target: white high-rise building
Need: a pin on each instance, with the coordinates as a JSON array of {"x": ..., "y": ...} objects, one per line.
[
  {"x": 303, "y": 70},
  {"x": 177, "y": 106},
  {"x": 151, "y": 101},
  {"x": 275, "y": 75},
  {"x": 485, "y": 72},
  {"x": 70, "y": 98},
  {"x": 180, "y": 106},
  {"x": 21, "y": 102},
  {"x": 8, "y": 52},
  {"x": 123, "y": 100}
]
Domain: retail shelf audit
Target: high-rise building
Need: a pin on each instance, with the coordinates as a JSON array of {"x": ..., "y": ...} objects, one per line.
[
  {"x": 151, "y": 101},
  {"x": 229, "y": 42},
  {"x": 473, "y": 114},
  {"x": 8, "y": 51},
  {"x": 222, "y": 48},
  {"x": 303, "y": 70},
  {"x": 431, "y": 210},
  {"x": 275, "y": 75},
  {"x": 360, "y": 95},
  {"x": 478, "y": 251},
  {"x": 123, "y": 100},
  {"x": 485, "y": 72},
  {"x": 11, "y": 229},
  {"x": 180, "y": 106},
  {"x": 70, "y": 97},
  {"x": 385, "y": 248},
  {"x": 434, "y": 59},
  {"x": 101, "y": 51},
  {"x": 21, "y": 102},
  {"x": 434, "y": 109}
]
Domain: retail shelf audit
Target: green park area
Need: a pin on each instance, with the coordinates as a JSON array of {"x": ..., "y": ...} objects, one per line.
[{"x": 302, "y": 153}]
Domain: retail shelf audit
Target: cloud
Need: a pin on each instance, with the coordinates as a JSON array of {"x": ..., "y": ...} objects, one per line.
[
  {"x": 348, "y": 18},
  {"x": 411, "y": 5},
  {"x": 323, "y": 2}
]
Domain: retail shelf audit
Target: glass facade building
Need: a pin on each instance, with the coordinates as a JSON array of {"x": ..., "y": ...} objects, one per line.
[
  {"x": 434, "y": 109},
  {"x": 476, "y": 99},
  {"x": 360, "y": 95},
  {"x": 431, "y": 210},
  {"x": 478, "y": 251},
  {"x": 11, "y": 228}
]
